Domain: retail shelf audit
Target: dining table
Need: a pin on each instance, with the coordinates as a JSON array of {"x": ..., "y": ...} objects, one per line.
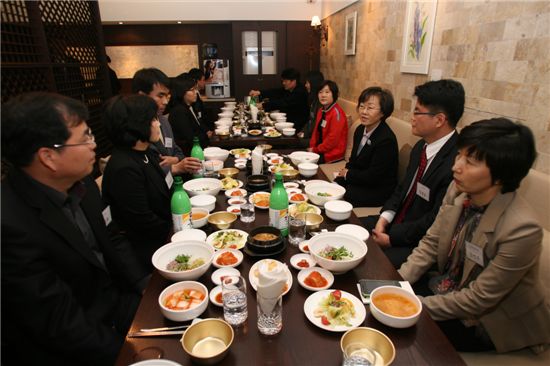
[
  {"x": 249, "y": 141},
  {"x": 300, "y": 342}
]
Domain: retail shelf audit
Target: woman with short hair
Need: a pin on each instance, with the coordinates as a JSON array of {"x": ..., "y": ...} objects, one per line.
[
  {"x": 484, "y": 247},
  {"x": 370, "y": 176},
  {"x": 330, "y": 134},
  {"x": 134, "y": 184}
]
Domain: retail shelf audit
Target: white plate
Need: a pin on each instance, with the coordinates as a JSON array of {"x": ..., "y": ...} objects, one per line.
[
  {"x": 315, "y": 181},
  {"x": 312, "y": 303},
  {"x": 241, "y": 160},
  {"x": 296, "y": 258},
  {"x": 240, "y": 184},
  {"x": 291, "y": 185},
  {"x": 234, "y": 209},
  {"x": 275, "y": 160},
  {"x": 213, "y": 293},
  {"x": 160, "y": 362},
  {"x": 253, "y": 277},
  {"x": 292, "y": 209},
  {"x": 294, "y": 201},
  {"x": 239, "y": 152},
  {"x": 221, "y": 272},
  {"x": 240, "y": 244},
  {"x": 237, "y": 253},
  {"x": 230, "y": 191},
  {"x": 272, "y": 134},
  {"x": 302, "y": 275},
  {"x": 236, "y": 201},
  {"x": 302, "y": 246},
  {"x": 189, "y": 234},
  {"x": 255, "y": 132},
  {"x": 251, "y": 200},
  {"x": 355, "y": 230}
]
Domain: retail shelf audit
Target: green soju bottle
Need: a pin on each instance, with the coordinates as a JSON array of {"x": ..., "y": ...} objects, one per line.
[
  {"x": 196, "y": 152},
  {"x": 180, "y": 206},
  {"x": 278, "y": 206}
]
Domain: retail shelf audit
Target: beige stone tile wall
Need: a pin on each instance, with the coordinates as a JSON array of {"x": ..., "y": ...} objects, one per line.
[{"x": 499, "y": 51}]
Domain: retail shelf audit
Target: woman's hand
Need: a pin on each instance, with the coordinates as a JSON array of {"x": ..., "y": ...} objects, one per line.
[
  {"x": 342, "y": 173},
  {"x": 168, "y": 160},
  {"x": 187, "y": 165}
]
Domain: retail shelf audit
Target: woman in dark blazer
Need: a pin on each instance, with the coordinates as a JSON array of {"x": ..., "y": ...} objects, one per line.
[
  {"x": 370, "y": 176},
  {"x": 134, "y": 184},
  {"x": 183, "y": 119}
]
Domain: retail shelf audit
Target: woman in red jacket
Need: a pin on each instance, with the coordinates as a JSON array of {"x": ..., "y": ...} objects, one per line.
[{"x": 329, "y": 138}]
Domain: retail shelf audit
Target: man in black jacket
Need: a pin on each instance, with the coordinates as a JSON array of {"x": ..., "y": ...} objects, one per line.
[
  {"x": 290, "y": 99},
  {"x": 413, "y": 206},
  {"x": 70, "y": 282}
]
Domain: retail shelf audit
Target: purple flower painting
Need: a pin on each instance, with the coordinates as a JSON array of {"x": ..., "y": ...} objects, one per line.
[{"x": 418, "y": 34}]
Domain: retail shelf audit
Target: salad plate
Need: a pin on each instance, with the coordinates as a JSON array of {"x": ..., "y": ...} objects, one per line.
[
  {"x": 296, "y": 208},
  {"x": 238, "y": 153},
  {"x": 316, "y": 311},
  {"x": 228, "y": 238},
  {"x": 230, "y": 183},
  {"x": 253, "y": 274}
]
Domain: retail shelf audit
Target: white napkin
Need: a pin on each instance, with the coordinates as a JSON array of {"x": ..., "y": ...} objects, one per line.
[
  {"x": 271, "y": 282},
  {"x": 257, "y": 160},
  {"x": 254, "y": 112}
]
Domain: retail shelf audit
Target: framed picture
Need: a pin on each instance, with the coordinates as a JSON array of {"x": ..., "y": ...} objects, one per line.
[
  {"x": 417, "y": 36},
  {"x": 351, "y": 27}
]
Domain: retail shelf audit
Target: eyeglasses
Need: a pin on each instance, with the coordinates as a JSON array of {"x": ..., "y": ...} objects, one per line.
[
  {"x": 90, "y": 140},
  {"x": 367, "y": 108}
]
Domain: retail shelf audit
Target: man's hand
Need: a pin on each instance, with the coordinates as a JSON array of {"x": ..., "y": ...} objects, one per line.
[
  {"x": 209, "y": 133},
  {"x": 187, "y": 165},
  {"x": 254, "y": 93},
  {"x": 166, "y": 160},
  {"x": 342, "y": 173},
  {"x": 379, "y": 233}
]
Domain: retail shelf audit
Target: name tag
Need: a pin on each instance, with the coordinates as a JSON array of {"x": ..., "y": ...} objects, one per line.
[
  {"x": 168, "y": 142},
  {"x": 323, "y": 123},
  {"x": 422, "y": 191},
  {"x": 199, "y": 115},
  {"x": 474, "y": 253},
  {"x": 169, "y": 180},
  {"x": 107, "y": 215}
]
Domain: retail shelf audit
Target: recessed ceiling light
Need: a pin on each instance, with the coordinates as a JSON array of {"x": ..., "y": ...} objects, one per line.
[
  {"x": 179, "y": 22},
  {"x": 120, "y": 22}
]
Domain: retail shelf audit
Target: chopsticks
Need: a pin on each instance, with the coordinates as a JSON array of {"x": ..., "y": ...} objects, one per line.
[{"x": 164, "y": 328}]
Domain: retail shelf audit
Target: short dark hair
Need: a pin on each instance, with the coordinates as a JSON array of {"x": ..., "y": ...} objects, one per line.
[
  {"x": 180, "y": 86},
  {"x": 144, "y": 80},
  {"x": 38, "y": 119},
  {"x": 196, "y": 74},
  {"x": 384, "y": 95},
  {"x": 290, "y": 74},
  {"x": 507, "y": 148},
  {"x": 127, "y": 119},
  {"x": 333, "y": 88},
  {"x": 446, "y": 96},
  {"x": 315, "y": 78}
]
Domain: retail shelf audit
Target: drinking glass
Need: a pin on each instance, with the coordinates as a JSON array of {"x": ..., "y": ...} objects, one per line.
[
  {"x": 296, "y": 231},
  {"x": 270, "y": 314},
  {"x": 247, "y": 212},
  {"x": 235, "y": 309}
]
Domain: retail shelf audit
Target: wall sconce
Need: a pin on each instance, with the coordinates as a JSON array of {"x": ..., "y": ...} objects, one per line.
[{"x": 321, "y": 29}]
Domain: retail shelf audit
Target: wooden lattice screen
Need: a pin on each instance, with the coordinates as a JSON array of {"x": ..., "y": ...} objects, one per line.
[{"x": 56, "y": 46}]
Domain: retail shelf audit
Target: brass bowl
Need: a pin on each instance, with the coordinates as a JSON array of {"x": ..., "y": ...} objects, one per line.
[
  {"x": 229, "y": 172},
  {"x": 207, "y": 342},
  {"x": 313, "y": 220},
  {"x": 289, "y": 174},
  {"x": 222, "y": 219},
  {"x": 370, "y": 338},
  {"x": 266, "y": 148},
  {"x": 224, "y": 135}
]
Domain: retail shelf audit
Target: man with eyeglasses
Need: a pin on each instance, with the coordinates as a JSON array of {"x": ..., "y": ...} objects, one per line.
[
  {"x": 70, "y": 282},
  {"x": 413, "y": 206},
  {"x": 155, "y": 84}
]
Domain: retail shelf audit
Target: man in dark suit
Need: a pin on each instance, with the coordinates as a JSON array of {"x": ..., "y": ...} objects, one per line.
[
  {"x": 413, "y": 206},
  {"x": 155, "y": 84},
  {"x": 70, "y": 282},
  {"x": 290, "y": 99},
  {"x": 198, "y": 106}
]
